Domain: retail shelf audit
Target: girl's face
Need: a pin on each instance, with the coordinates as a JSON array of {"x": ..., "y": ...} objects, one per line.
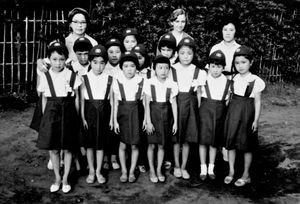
[
  {"x": 129, "y": 69},
  {"x": 215, "y": 70},
  {"x": 166, "y": 52},
  {"x": 83, "y": 57},
  {"x": 114, "y": 55},
  {"x": 57, "y": 61},
  {"x": 228, "y": 32},
  {"x": 98, "y": 65},
  {"x": 186, "y": 55},
  {"x": 242, "y": 64},
  {"x": 179, "y": 23},
  {"x": 141, "y": 59},
  {"x": 78, "y": 24},
  {"x": 129, "y": 42},
  {"x": 162, "y": 70}
]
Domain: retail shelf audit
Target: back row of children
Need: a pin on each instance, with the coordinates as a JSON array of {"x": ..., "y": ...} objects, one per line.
[{"x": 180, "y": 104}]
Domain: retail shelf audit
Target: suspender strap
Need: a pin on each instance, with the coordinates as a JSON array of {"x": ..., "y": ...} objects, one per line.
[
  {"x": 72, "y": 81},
  {"x": 88, "y": 87},
  {"x": 249, "y": 89},
  {"x": 148, "y": 73},
  {"x": 122, "y": 92},
  {"x": 139, "y": 92},
  {"x": 174, "y": 74},
  {"x": 71, "y": 68},
  {"x": 50, "y": 83},
  {"x": 226, "y": 89},
  {"x": 153, "y": 93},
  {"x": 168, "y": 94},
  {"x": 207, "y": 90},
  {"x": 109, "y": 81},
  {"x": 196, "y": 73},
  {"x": 232, "y": 86}
]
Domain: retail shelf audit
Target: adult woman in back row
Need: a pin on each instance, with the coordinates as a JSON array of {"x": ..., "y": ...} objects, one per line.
[{"x": 177, "y": 20}]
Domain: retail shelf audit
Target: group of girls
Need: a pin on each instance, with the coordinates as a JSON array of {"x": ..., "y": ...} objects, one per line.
[{"x": 121, "y": 100}]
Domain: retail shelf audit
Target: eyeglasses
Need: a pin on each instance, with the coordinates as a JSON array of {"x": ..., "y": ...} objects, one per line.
[{"x": 79, "y": 22}]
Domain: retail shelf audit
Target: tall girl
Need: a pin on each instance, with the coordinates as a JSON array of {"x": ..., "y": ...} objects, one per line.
[
  {"x": 189, "y": 79},
  {"x": 96, "y": 113},
  {"x": 161, "y": 112},
  {"x": 241, "y": 121},
  {"x": 60, "y": 108},
  {"x": 128, "y": 107}
]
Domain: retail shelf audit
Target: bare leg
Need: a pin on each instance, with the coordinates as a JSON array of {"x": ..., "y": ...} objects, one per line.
[
  {"x": 185, "y": 154},
  {"x": 67, "y": 166},
  {"x": 134, "y": 158},
  {"x": 122, "y": 158},
  {"x": 99, "y": 156},
  {"x": 160, "y": 158},
  {"x": 247, "y": 164},
  {"x": 150, "y": 158},
  {"x": 176, "y": 155},
  {"x": 231, "y": 158},
  {"x": 54, "y": 156},
  {"x": 202, "y": 154},
  {"x": 90, "y": 159}
]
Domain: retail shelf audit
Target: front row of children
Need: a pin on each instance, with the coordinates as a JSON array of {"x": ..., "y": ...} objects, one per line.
[{"x": 179, "y": 105}]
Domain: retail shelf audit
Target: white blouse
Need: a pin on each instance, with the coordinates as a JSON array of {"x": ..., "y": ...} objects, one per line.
[{"x": 216, "y": 87}]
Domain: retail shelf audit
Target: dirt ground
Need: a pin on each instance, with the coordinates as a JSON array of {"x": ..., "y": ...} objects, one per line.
[{"x": 24, "y": 177}]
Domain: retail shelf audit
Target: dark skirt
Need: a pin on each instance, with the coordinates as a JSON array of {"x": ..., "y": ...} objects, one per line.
[
  {"x": 212, "y": 114},
  {"x": 97, "y": 115},
  {"x": 188, "y": 118},
  {"x": 162, "y": 120},
  {"x": 37, "y": 115},
  {"x": 59, "y": 125},
  {"x": 238, "y": 125},
  {"x": 129, "y": 120}
]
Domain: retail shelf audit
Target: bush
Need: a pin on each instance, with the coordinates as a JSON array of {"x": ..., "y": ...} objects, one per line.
[{"x": 270, "y": 27}]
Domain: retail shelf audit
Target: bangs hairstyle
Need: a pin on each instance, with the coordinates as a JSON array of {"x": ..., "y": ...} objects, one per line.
[
  {"x": 78, "y": 10},
  {"x": 227, "y": 20},
  {"x": 62, "y": 50},
  {"x": 177, "y": 13},
  {"x": 248, "y": 57}
]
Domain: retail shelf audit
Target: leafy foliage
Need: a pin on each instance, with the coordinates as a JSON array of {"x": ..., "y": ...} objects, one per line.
[{"x": 270, "y": 27}]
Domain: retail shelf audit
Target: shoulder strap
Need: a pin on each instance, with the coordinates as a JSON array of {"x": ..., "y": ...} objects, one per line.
[
  {"x": 196, "y": 73},
  {"x": 153, "y": 93},
  {"x": 174, "y": 74},
  {"x": 148, "y": 73},
  {"x": 226, "y": 89},
  {"x": 249, "y": 89},
  {"x": 232, "y": 86},
  {"x": 88, "y": 87},
  {"x": 109, "y": 82},
  {"x": 207, "y": 90},
  {"x": 72, "y": 81},
  {"x": 50, "y": 84},
  {"x": 122, "y": 92},
  {"x": 139, "y": 92},
  {"x": 168, "y": 94}
]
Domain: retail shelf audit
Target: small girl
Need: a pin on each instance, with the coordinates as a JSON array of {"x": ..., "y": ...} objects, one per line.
[
  {"x": 241, "y": 121},
  {"x": 145, "y": 72},
  {"x": 128, "y": 89},
  {"x": 95, "y": 110},
  {"x": 82, "y": 46},
  {"x": 130, "y": 38},
  {"x": 167, "y": 46},
  {"x": 160, "y": 94},
  {"x": 215, "y": 95},
  {"x": 189, "y": 79},
  {"x": 60, "y": 108}
]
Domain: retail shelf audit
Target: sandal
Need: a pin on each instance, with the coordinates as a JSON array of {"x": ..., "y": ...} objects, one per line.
[
  {"x": 161, "y": 179},
  {"x": 228, "y": 179},
  {"x": 90, "y": 178},
  {"x": 115, "y": 165},
  {"x": 100, "y": 178},
  {"x": 131, "y": 178},
  {"x": 153, "y": 178},
  {"x": 123, "y": 177},
  {"x": 241, "y": 182}
]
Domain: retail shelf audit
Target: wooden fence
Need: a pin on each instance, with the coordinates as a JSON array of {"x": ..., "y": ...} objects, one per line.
[{"x": 22, "y": 42}]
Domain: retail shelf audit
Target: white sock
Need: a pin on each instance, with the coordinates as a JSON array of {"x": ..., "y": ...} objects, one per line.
[
  {"x": 211, "y": 168},
  {"x": 203, "y": 169}
]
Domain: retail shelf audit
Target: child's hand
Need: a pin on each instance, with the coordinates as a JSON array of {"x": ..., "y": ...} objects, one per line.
[
  {"x": 174, "y": 128},
  {"x": 85, "y": 125},
  {"x": 111, "y": 124},
  {"x": 116, "y": 127},
  {"x": 41, "y": 65},
  {"x": 144, "y": 125},
  {"x": 150, "y": 128},
  {"x": 254, "y": 126}
]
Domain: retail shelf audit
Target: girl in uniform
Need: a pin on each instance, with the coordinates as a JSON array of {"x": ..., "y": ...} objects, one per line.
[
  {"x": 167, "y": 46},
  {"x": 161, "y": 112},
  {"x": 189, "y": 79},
  {"x": 215, "y": 95},
  {"x": 60, "y": 108},
  {"x": 241, "y": 121},
  {"x": 96, "y": 113},
  {"x": 128, "y": 107},
  {"x": 129, "y": 38}
]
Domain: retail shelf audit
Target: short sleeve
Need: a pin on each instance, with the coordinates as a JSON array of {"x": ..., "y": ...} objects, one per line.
[
  {"x": 202, "y": 77},
  {"x": 43, "y": 84},
  {"x": 78, "y": 82},
  {"x": 146, "y": 87},
  {"x": 116, "y": 88},
  {"x": 174, "y": 90},
  {"x": 259, "y": 85}
]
